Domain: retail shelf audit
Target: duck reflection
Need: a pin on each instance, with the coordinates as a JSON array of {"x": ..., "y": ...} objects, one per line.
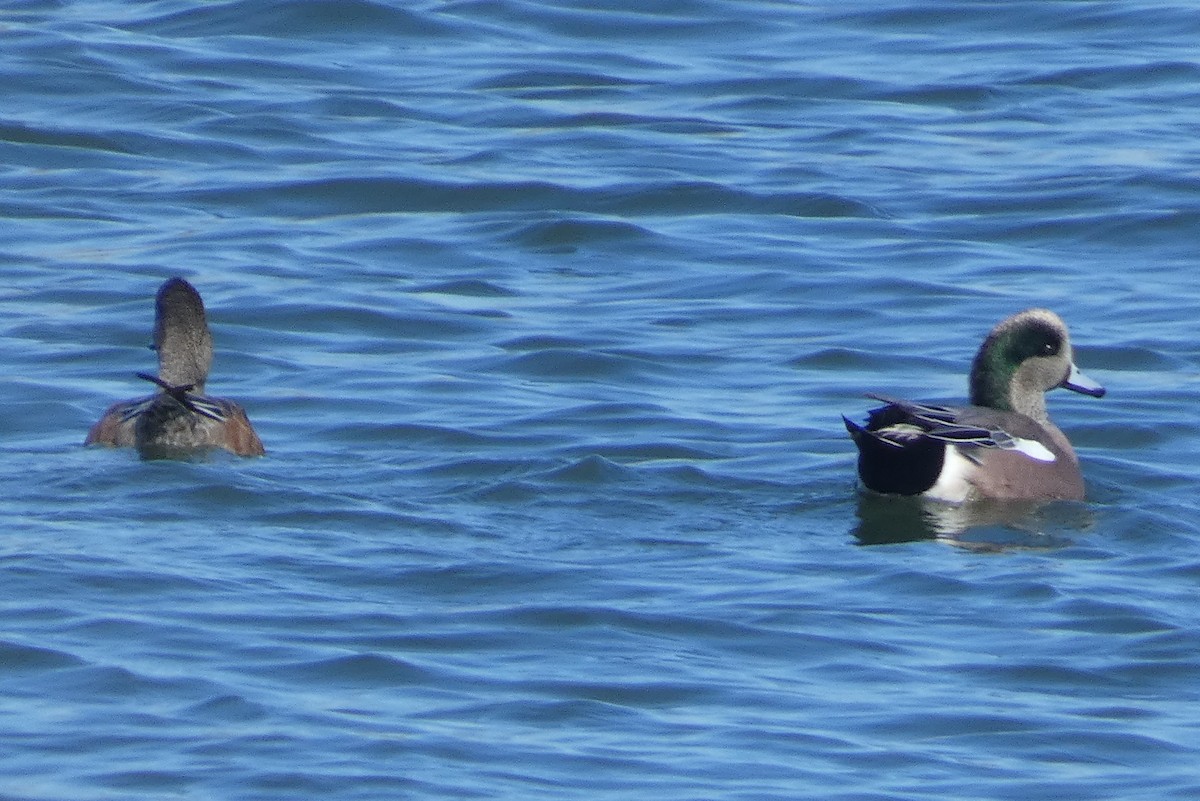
[{"x": 980, "y": 525}]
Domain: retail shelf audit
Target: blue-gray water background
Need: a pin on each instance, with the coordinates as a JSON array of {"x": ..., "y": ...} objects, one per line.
[{"x": 546, "y": 313}]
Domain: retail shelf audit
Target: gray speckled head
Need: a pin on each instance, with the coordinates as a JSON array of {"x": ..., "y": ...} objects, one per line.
[
  {"x": 181, "y": 335},
  {"x": 1022, "y": 359}
]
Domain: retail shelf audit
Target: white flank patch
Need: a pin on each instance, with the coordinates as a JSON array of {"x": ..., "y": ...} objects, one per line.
[
  {"x": 1033, "y": 449},
  {"x": 952, "y": 485}
]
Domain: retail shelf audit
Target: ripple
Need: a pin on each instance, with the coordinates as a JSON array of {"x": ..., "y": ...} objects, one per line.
[
  {"x": 345, "y": 322},
  {"x": 591, "y": 470},
  {"x": 558, "y": 79},
  {"x": 573, "y": 364},
  {"x": 574, "y": 233},
  {"x": 228, "y": 709},
  {"x": 472, "y": 287},
  {"x": 650, "y": 451},
  {"x": 368, "y": 669},
  {"x": 1120, "y": 76},
  {"x": 333, "y": 197},
  {"x": 16, "y": 656},
  {"x": 289, "y": 19}
]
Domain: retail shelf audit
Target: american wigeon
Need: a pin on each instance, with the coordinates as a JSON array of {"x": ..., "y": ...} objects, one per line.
[
  {"x": 179, "y": 419},
  {"x": 1002, "y": 446}
]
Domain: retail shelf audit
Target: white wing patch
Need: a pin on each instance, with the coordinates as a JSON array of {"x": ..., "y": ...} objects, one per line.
[{"x": 1033, "y": 449}]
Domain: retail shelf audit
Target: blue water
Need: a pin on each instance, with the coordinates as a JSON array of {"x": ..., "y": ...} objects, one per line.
[{"x": 547, "y": 313}]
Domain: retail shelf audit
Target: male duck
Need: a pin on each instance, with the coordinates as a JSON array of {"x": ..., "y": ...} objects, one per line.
[
  {"x": 1002, "y": 446},
  {"x": 179, "y": 419}
]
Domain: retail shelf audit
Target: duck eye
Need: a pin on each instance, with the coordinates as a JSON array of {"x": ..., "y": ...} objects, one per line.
[{"x": 1049, "y": 348}]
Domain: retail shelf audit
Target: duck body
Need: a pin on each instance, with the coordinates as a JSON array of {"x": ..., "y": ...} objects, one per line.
[
  {"x": 958, "y": 453},
  {"x": 1003, "y": 445},
  {"x": 160, "y": 426},
  {"x": 179, "y": 420}
]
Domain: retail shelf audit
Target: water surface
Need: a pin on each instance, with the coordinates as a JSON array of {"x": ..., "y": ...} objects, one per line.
[{"x": 547, "y": 314}]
